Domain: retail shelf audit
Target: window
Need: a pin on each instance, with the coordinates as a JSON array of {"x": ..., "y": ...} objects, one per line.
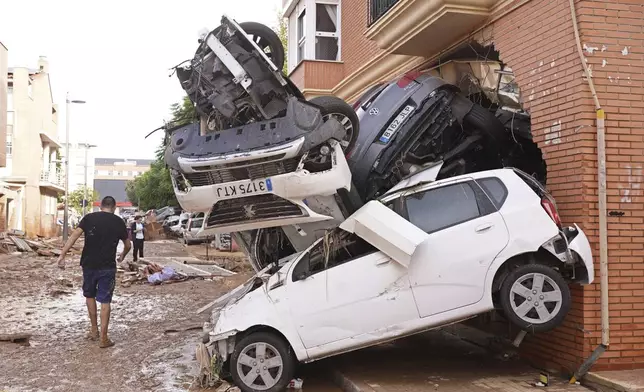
[
  {"x": 135, "y": 173},
  {"x": 495, "y": 190},
  {"x": 126, "y": 173},
  {"x": 9, "y": 140},
  {"x": 338, "y": 248},
  {"x": 301, "y": 35},
  {"x": 314, "y": 31},
  {"x": 104, "y": 173},
  {"x": 440, "y": 208},
  {"x": 110, "y": 173},
  {"x": 326, "y": 32}
]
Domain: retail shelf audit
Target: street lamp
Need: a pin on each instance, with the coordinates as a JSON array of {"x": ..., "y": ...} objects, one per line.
[
  {"x": 66, "y": 212},
  {"x": 87, "y": 147}
]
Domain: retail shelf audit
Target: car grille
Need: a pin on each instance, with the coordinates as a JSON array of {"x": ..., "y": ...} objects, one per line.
[
  {"x": 253, "y": 208},
  {"x": 243, "y": 173}
]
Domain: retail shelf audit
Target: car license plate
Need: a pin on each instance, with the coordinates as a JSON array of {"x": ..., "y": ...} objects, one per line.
[
  {"x": 251, "y": 187},
  {"x": 396, "y": 124}
]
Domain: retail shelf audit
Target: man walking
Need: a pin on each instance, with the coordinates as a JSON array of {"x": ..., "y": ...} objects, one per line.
[
  {"x": 138, "y": 235},
  {"x": 103, "y": 230}
]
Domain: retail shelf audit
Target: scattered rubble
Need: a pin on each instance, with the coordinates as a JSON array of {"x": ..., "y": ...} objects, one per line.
[{"x": 15, "y": 241}]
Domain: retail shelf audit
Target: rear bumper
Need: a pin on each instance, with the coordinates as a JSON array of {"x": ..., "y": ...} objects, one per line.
[{"x": 580, "y": 247}]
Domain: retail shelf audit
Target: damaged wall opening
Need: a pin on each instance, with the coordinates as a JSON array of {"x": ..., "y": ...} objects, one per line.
[{"x": 481, "y": 75}]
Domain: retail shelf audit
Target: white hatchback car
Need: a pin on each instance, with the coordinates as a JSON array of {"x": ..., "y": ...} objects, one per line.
[{"x": 427, "y": 254}]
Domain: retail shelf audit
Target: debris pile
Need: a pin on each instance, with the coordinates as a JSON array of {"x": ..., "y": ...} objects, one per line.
[{"x": 16, "y": 242}]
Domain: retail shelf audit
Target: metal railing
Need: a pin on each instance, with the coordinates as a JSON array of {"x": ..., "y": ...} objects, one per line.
[
  {"x": 56, "y": 177},
  {"x": 377, "y": 8}
]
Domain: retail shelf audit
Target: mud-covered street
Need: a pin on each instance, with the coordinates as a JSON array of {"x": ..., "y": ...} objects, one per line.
[{"x": 38, "y": 298}]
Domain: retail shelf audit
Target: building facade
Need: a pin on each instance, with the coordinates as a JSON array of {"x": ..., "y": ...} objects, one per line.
[
  {"x": 535, "y": 43},
  {"x": 32, "y": 169},
  {"x": 111, "y": 175},
  {"x": 81, "y": 164}
]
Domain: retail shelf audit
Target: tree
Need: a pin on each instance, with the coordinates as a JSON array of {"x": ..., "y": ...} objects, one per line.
[
  {"x": 153, "y": 189},
  {"x": 76, "y": 199},
  {"x": 282, "y": 32}
]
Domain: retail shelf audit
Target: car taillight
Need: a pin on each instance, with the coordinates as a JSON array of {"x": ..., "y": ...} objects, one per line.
[
  {"x": 551, "y": 210},
  {"x": 408, "y": 78}
]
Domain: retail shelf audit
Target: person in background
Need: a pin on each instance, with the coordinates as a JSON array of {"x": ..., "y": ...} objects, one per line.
[
  {"x": 138, "y": 234},
  {"x": 103, "y": 230}
]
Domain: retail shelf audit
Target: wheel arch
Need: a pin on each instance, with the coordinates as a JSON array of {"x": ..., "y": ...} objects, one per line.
[
  {"x": 300, "y": 355},
  {"x": 540, "y": 256}
]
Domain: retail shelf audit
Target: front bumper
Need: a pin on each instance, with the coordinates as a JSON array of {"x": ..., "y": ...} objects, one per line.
[{"x": 281, "y": 202}]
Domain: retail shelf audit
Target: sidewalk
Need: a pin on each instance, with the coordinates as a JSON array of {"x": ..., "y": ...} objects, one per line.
[
  {"x": 438, "y": 361},
  {"x": 616, "y": 380}
]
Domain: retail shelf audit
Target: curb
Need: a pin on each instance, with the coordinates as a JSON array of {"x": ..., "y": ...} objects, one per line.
[
  {"x": 603, "y": 384},
  {"x": 344, "y": 382}
]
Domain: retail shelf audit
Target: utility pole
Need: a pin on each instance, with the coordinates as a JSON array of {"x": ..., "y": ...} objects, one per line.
[
  {"x": 85, "y": 201},
  {"x": 66, "y": 212}
]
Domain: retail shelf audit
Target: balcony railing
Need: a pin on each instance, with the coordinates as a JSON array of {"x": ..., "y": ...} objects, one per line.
[
  {"x": 377, "y": 8},
  {"x": 55, "y": 177}
]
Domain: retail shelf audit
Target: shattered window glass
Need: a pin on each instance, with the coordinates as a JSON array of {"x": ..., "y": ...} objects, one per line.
[
  {"x": 336, "y": 248},
  {"x": 440, "y": 208}
]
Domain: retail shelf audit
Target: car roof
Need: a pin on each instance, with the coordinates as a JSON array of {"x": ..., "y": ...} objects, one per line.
[{"x": 428, "y": 175}]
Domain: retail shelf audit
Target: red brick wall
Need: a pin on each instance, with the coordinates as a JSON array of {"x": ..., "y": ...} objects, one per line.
[
  {"x": 537, "y": 41},
  {"x": 356, "y": 48}
]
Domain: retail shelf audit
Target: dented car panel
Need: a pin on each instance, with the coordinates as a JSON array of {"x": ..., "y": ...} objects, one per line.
[
  {"x": 384, "y": 229},
  {"x": 394, "y": 281}
]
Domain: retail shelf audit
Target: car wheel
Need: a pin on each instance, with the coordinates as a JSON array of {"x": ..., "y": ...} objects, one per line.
[
  {"x": 344, "y": 113},
  {"x": 535, "y": 297},
  {"x": 262, "y": 362},
  {"x": 267, "y": 40},
  {"x": 482, "y": 119}
]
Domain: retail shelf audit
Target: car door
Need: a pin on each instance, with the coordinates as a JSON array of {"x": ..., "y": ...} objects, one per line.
[
  {"x": 466, "y": 233},
  {"x": 363, "y": 291}
]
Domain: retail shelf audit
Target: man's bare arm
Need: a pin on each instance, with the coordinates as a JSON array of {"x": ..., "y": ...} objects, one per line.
[
  {"x": 70, "y": 242},
  {"x": 127, "y": 245}
]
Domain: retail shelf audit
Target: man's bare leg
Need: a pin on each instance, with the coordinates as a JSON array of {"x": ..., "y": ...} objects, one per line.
[
  {"x": 105, "y": 321},
  {"x": 91, "y": 309}
]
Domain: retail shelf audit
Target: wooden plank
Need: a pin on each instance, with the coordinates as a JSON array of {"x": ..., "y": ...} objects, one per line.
[{"x": 21, "y": 244}]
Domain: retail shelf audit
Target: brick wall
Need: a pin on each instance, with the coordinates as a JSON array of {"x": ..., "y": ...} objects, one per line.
[
  {"x": 356, "y": 48},
  {"x": 537, "y": 41}
]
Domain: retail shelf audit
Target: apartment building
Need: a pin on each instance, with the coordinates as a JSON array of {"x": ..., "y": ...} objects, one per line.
[
  {"x": 342, "y": 47},
  {"x": 81, "y": 164},
  {"x": 111, "y": 176},
  {"x": 32, "y": 166}
]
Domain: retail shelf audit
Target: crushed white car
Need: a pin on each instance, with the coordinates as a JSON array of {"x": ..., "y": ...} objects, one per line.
[{"x": 426, "y": 254}]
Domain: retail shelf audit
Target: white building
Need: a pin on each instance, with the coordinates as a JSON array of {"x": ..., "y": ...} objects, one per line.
[{"x": 77, "y": 162}]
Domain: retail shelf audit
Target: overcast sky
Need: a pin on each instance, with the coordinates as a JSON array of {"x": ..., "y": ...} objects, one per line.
[{"x": 117, "y": 56}]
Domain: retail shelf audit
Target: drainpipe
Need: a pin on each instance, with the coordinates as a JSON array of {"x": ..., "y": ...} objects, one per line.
[{"x": 603, "y": 228}]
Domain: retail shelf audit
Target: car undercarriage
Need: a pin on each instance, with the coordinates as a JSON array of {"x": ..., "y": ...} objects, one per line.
[{"x": 255, "y": 125}]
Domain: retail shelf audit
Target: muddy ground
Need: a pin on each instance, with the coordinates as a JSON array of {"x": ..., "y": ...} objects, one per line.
[{"x": 37, "y": 297}]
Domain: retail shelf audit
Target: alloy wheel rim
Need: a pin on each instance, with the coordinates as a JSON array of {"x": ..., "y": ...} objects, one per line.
[
  {"x": 260, "y": 366},
  {"x": 346, "y": 124},
  {"x": 535, "y": 298}
]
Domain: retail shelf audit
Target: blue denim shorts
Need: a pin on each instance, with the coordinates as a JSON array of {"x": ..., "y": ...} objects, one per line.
[{"x": 99, "y": 284}]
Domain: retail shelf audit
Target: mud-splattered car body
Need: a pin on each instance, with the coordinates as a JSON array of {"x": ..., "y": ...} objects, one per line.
[{"x": 378, "y": 276}]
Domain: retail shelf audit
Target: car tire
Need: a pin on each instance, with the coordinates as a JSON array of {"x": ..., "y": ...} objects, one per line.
[
  {"x": 273, "y": 346},
  {"x": 343, "y": 112},
  {"x": 535, "y": 313},
  {"x": 272, "y": 41},
  {"x": 482, "y": 119}
]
